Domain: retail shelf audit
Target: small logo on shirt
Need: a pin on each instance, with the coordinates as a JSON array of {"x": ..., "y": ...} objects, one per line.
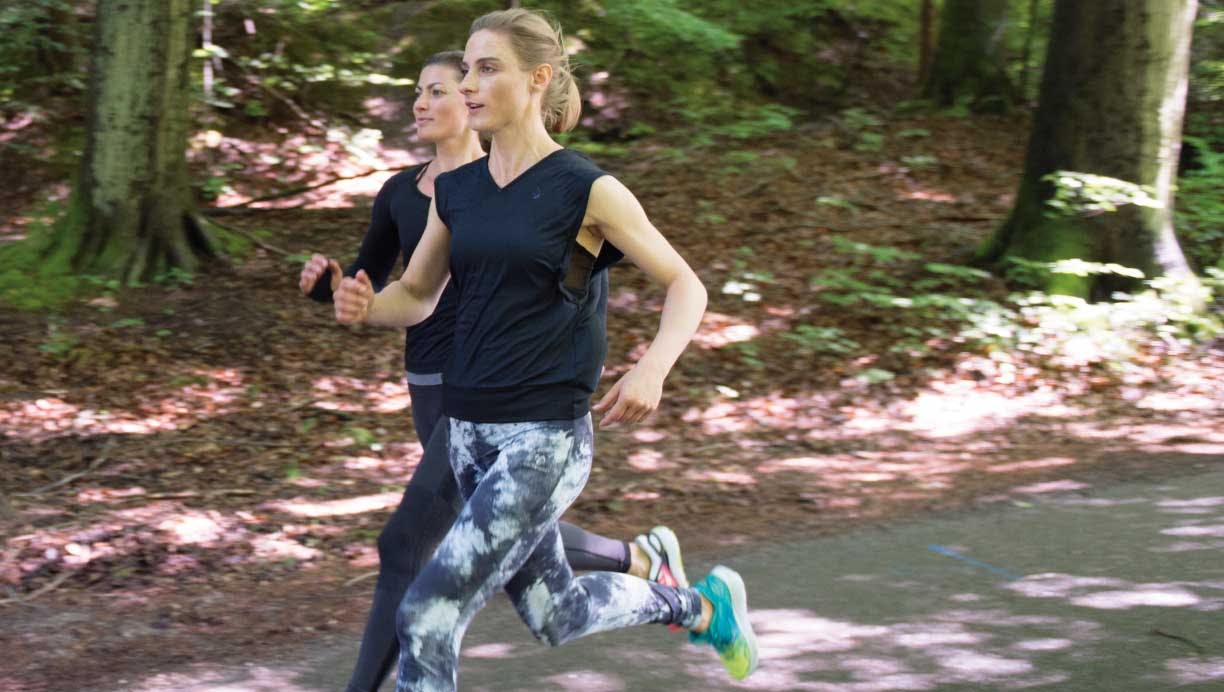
[{"x": 536, "y": 194}]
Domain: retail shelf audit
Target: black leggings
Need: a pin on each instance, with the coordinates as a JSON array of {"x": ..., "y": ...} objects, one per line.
[{"x": 429, "y": 506}]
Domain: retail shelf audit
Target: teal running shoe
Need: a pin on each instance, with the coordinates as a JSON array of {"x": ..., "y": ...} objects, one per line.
[{"x": 730, "y": 632}]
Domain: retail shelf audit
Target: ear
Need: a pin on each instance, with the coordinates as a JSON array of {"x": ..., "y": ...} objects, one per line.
[{"x": 541, "y": 76}]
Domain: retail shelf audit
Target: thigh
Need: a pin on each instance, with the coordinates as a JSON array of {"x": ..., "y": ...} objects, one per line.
[
  {"x": 426, "y": 511},
  {"x": 514, "y": 497},
  {"x": 434, "y": 475},
  {"x": 545, "y": 567},
  {"x": 426, "y": 408}
]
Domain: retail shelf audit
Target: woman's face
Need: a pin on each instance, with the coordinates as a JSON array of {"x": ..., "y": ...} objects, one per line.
[
  {"x": 438, "y": 109},
  {"x": 497, "y": 89}
]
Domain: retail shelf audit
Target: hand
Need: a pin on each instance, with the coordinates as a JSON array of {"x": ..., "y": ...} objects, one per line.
[
  {"x": 314, "y": 268},
  {"x": 353, "y": 298},
  {"x": 632, "y": 398}
]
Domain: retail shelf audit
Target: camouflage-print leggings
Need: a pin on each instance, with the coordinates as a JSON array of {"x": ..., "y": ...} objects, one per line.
[{"x": 518, "y": 478}]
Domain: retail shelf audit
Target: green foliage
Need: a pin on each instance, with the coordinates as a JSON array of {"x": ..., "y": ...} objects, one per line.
[
  {"x": 1086, "y": 194},
  {"x": 877, "y": 254},
  {"x": 61, "y": 342},
  {"x": 917, "y": 301},
  {"x": 1072, "y": 332},
  {"x": 811, "y": 339},
  {"x": 1206, "y": 65},
  {"x": 931, "y": 300},
  {"x": 921, "y": 162},
  {"x": 321, "y": 54},
  {"x": 750, "y": 354},
  {"x": 1200, "y": 208},
  {"x": 35, "y": 274},
  {"x": 41, "y": 50}
]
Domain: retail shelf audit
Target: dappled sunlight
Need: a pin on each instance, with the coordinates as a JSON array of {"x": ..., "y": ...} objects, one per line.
[
  {"x": 649, "y": 460},
  {"x": 1109, "y": 593},
  {"x": 207, "y": 393},
  {"x": 299, "y": 161},
  {"x": 278, "y": 546},
  {"x": 767, "y": 412},
  {"x": 336, "y": 508},
  {"x": 727, "y": 477},
  {"x": 353, "y": 395},
  {"x": 1196, "y": 671},
  {"x": 584, "y": 681},
  {"x": 928, "y": 194},
  {"x": 801, "y": 650},
  {"x": 1045, "y": 463},
  {"x": 961, "y": 408},
  {"x": 203, "y": 678},
  {"x": 1216, "y": 531},
  {"x": 718, "y": 330},
  {"x": 1198, "y": 506},
  {"x": 1059, "y": 486},
  {"x": 928, "y": 471},
  {"x": 187, "y": 528}
]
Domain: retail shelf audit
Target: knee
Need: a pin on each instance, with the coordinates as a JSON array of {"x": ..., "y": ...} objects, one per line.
[
  {"x": 551, "y": 633},
  {"x": 422, "y": 621},
  {"x": 410, "y": 536},
  {"x": 545, "y": 623}
]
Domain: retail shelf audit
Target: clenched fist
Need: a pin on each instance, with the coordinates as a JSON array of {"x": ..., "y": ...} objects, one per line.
[
  {"x": 315, "y": 268},
  {"x": 353, "y": 298}
]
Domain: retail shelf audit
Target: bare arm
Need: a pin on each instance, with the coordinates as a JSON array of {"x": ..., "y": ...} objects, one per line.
[
  {"x": 620, "y": 219},
  {"x": 410, "y": 300}
]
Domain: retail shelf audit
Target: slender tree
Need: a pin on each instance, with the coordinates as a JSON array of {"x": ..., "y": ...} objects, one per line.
[
  {"x": 131, "y": 214},
  {"x": 926, "y": 40},
  {"x": 1111, "y": 104},
  {"x": 969, "y": 56}
]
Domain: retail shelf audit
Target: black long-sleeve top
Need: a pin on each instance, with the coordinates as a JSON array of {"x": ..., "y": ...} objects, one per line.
[{"x": 397, "y": 223}]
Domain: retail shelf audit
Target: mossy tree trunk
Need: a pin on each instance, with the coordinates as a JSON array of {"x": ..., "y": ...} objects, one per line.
[
  {"x": 131, "y": 214},
  {"x": 1112, "y": 100},
  {"x": 969, "y": 56}
]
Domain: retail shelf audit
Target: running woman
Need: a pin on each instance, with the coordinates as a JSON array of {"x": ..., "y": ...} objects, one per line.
[
  {"x": 431, "y": 500},
  {"x": 525, "y": 235}
]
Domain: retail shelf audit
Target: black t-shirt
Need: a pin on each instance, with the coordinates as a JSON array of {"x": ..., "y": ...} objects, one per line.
[
  {"x": 530, "y": 330},
  {"x": 396, "y": 226}
]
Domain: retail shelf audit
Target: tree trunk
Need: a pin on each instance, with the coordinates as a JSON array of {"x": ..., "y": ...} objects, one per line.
[
  {"x": 131, "y": 213},
  {"x": 926, "y": 41},
  {"x": 1027, "y": 55},
  {"x": 1112, "y": 99},
  {"x": 969, "y": 56}
]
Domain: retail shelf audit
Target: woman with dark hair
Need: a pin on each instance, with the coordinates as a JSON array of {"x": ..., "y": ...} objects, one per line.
[
  {"x": 525, "y": 236},
  {"x": 431, "y": 501}
]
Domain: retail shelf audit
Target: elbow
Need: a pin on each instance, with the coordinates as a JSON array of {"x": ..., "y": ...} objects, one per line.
[{"x": 700, "y": 295}]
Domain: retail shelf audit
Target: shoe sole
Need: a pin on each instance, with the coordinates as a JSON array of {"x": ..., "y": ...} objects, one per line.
[
  {"x": 671, "y": 546},
  {"x": 739, "y": 605}
]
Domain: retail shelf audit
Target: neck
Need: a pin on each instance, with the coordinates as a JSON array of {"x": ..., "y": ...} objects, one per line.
[
  {"x": 450, "y": 154},
  {"x": 518, "y": 146}
]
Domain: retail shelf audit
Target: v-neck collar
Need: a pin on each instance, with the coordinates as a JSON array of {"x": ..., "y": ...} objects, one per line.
[{"x": 520, "y": 176}]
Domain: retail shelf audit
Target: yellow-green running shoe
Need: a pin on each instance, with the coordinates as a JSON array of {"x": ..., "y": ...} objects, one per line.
[{"x": 730, "y": 632}]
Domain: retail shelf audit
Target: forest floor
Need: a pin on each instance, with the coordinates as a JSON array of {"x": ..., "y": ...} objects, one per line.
[{"x": 199, "y": 468}]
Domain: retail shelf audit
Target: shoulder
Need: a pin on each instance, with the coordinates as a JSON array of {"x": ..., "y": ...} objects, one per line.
[
  {"x": 579, "y": 165},
  {"x": 405, "y": 177},
  {"x": 399, "y": 183},
  {"x": 455, "y": 189},
  {"x": 459, "y": 175}
]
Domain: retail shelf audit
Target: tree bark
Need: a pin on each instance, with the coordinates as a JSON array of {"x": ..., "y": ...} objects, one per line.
[
  {"x": 1111, "y": 103},
  {"x": 926, "y": 41},
  {"x": 1026, "y": 56},
  {"x": 131, "y": 214},
  {"x": 969, "y": 56}
]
